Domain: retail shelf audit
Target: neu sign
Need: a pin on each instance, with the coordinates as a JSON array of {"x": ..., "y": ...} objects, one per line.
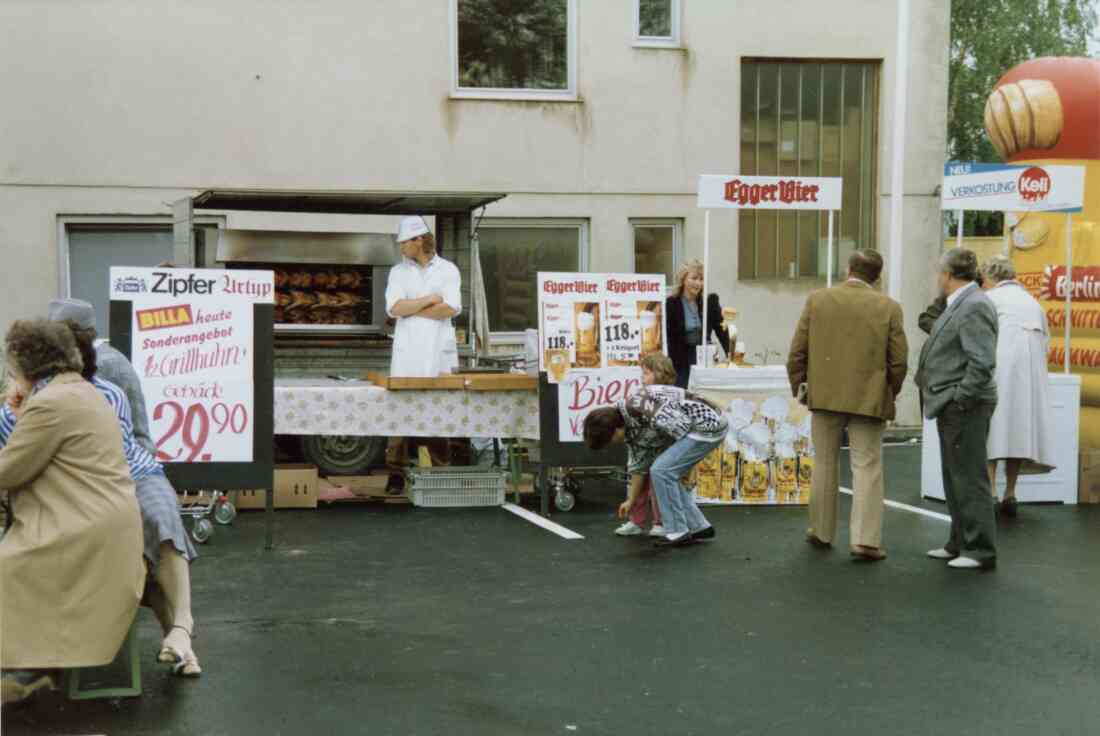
[{"x": 1013, "y": 187}]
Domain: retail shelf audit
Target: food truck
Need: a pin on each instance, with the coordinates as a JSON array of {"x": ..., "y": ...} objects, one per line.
[{"x": 330, "y": 318}]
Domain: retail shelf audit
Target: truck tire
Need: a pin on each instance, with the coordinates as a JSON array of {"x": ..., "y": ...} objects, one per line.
[{"x": 343, "y": 454}]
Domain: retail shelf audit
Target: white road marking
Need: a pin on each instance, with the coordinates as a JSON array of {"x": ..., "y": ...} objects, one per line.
[
  {"x": 546, "y": 524},
  {"x": 907, "y": 507}
]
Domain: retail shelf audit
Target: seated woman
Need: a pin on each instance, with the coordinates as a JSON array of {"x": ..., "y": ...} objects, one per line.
[{"x": 70, "y": 565}]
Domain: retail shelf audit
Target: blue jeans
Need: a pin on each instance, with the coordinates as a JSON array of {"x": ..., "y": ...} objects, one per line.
[{"x": 678, "y": 510}]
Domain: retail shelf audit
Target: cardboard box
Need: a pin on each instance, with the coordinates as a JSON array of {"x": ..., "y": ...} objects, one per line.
[
  {"x": 295, "y": 488},
  {"x": 361, "y": 485},
  {"x": 1088, "y": 486},
  {"x": 253, "y": 500}
]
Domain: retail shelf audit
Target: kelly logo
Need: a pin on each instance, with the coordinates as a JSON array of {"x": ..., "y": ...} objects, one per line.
[
  {"x": 162, "y": 317},
  {"x": 1033, "y": 184}
]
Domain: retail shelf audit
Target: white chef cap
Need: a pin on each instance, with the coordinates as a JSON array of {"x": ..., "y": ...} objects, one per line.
[{"x": 412, "y": 227}]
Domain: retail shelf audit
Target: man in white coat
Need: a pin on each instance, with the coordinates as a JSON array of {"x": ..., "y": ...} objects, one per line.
[{"x": 422, "y": 294}]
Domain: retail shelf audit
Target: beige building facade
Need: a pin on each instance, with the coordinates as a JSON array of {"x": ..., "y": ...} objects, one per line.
[{"x": 114, "y": 109}]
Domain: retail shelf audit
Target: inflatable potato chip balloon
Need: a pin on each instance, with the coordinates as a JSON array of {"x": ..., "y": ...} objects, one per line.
[
  {"x": 1047, "y": 111},
  {"x": 1022, "y": 115}
]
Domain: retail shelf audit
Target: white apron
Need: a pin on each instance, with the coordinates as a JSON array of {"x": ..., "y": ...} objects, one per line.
[
  {"x": 423, "y": 347},
  {"x": 1022, "y": 425}
]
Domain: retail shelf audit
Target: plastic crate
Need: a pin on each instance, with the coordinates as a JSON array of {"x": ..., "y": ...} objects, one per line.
[{"x": 456, "y": 487}]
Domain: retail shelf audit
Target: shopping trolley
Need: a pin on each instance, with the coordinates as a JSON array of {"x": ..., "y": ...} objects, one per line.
[{"x": 201, "y": 506}]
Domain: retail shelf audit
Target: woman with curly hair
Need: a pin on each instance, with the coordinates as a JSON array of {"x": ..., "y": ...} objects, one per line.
[
  {"x": 168, "y": 549},
  {"x": 71, "y": 569}
]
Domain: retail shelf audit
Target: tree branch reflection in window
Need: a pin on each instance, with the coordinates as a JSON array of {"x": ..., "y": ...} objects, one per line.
[
  {"x": 513, "y": 44},
  {"x": 655, "y": 18}
]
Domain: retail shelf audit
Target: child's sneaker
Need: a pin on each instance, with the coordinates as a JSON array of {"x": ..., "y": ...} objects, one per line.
[
  {"x": 629, "y": 529},
  {"x": 657, "y": 531}
]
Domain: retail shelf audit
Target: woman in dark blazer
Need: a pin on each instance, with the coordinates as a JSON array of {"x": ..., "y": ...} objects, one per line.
[{"x": 683, "y": 315}]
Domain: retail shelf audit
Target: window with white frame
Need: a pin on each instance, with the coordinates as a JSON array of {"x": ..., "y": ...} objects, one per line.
[
  {"x": 657, "y": 246},
  {"x": 657, "y": 22},
  {"x": 514, "y": 48},
  {"x": 512, "y": 252}
]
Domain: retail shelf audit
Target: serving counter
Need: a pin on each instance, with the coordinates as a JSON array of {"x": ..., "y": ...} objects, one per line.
[
  {"x": 772, "y": 460},
  {"x": 1058, "y": 486}
]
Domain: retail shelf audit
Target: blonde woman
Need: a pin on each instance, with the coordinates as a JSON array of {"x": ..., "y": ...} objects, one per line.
[{"x": 684, "y": 315}]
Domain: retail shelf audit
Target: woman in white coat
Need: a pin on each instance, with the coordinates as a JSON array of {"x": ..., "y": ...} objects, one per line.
[{"x": 1021, "y": 432}]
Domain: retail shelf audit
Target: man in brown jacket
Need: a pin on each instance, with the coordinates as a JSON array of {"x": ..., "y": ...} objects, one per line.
[{"x": 847, "y": 362}]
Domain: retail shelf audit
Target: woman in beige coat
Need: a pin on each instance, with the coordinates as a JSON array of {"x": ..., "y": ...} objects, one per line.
[{"x": 71, "y": 571}]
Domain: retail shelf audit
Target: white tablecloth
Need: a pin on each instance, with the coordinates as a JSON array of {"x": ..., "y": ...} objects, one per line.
[{"x": 324, "y": 406}]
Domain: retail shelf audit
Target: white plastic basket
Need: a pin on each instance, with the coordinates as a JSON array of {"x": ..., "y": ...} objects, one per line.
[{"x": 456, "y": 487}]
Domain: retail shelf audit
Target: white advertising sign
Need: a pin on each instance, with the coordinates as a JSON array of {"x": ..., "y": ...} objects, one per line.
[
  {"x": 1013, "y": 187},
  {"x": 589, "y": 320},
  {"x": 770, "y": 192},
  {"x": 192, "y": 348},
  {"x": 584, "y": 390}
]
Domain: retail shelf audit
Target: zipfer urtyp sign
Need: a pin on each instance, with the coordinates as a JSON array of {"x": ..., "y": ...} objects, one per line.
[
  {"x": 1013, "y": 187},
  {"x": 192, "y": 343}
]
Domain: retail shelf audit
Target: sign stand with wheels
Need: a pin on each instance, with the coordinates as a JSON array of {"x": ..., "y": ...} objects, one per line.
[
  {"x": 201, "y": 343},
  {"x": 594, "y": 328}
]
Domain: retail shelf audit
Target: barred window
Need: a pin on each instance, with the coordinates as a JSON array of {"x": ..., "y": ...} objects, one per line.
[{"x": 808, "y": 118}]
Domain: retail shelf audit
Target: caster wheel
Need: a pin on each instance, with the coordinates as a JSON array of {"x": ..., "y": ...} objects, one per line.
[
  {"x": 564, "y": 501},
  {"x": 225, "y": 513},
  {"x": 202, "y": 530}
]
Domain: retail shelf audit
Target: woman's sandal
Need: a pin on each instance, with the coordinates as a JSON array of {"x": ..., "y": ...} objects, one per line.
[{"x": 184, "y": 662}]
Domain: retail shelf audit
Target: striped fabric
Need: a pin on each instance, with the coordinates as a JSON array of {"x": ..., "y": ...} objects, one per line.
[
  {"x": 142, "y": 463},
  {"x": 7, "y": 424}
]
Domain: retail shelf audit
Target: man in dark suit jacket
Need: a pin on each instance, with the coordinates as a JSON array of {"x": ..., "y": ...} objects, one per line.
[
  {"x": 956, "y": 381},
  {"x": 927, "y": 319},
  {"x": 849, "y": 355}
]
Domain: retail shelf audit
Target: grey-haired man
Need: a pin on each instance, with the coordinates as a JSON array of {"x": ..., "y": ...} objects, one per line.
[
  {"x": 957, "y": 386},
  {"x": 111, "y": 365}
]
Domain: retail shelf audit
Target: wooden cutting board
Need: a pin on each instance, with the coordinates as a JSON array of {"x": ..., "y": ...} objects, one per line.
[
  {"x": 500, "y": 382},
  {"x": 458, "y": 381}
]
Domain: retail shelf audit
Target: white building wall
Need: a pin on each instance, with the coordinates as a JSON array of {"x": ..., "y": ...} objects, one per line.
[{"x": 114, "y": 107}]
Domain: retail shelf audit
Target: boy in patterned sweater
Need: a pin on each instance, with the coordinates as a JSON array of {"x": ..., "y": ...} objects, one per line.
[{"x": 667, "y": 432}]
